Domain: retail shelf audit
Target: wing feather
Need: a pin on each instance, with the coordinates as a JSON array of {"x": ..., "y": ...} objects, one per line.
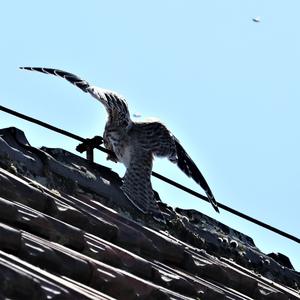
[
  {"x": 74, "y": 79},
  {"x": 186, "y": 164},
  {"x": 115, "y": 105}
]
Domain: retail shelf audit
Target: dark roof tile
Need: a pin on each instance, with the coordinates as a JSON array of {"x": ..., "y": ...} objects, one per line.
[{"x": 68, "y": 232}]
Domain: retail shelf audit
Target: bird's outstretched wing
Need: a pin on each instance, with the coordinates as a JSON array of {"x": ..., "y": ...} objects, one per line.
[
  {"x": 154, "y": 137},
  {"x": 115, "y": 105},
  {"x": 186, "y": 164}
]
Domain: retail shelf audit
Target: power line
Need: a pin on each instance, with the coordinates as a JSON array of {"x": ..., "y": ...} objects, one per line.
[
  {"x": 51, "y": 127},
  {"x": 161, "y": 177}
]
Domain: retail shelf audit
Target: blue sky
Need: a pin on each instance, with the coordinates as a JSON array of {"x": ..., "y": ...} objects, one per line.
[{"x": 227, "y": 87}]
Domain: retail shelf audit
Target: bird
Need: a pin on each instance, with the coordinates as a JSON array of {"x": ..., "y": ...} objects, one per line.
[
  {"x": 256, "y": 19},
  {"x": 135, "y": 144}
]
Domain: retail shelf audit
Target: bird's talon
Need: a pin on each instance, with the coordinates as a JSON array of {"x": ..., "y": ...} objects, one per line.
[{"x": 112, "y": 158}]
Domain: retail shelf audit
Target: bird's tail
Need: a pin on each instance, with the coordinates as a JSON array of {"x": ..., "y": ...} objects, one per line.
[
  {"x": 186, "y": 164},
  {"x": 74, "y": 79}
]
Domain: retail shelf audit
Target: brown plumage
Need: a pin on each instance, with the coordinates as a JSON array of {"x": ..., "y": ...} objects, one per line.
[{"x": 135, "y": 144}]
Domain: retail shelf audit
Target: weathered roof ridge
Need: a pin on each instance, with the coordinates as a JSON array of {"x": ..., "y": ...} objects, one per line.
[{"x": 66, "y": 229}]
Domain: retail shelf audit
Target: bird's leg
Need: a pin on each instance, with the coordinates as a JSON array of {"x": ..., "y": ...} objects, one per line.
[{"x": 110, "y": 156}]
